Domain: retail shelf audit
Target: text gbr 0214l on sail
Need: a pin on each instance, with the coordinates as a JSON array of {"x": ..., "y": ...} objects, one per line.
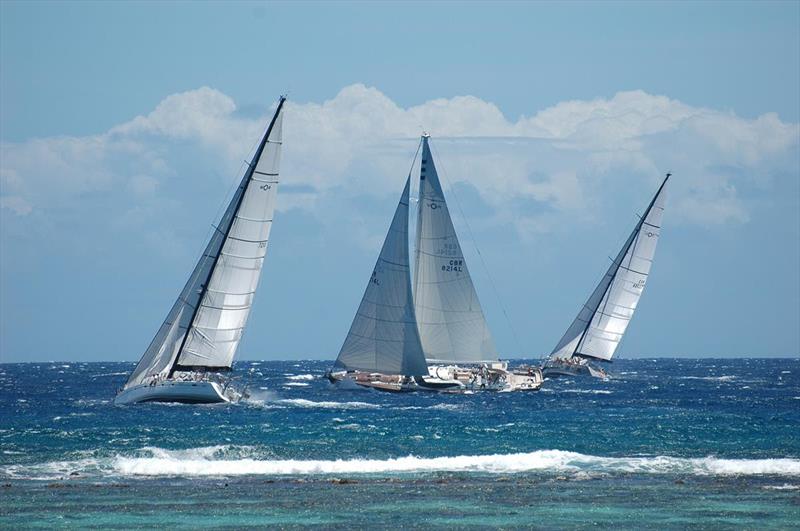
[
  {"x": 195, "y": 346},
  {"x": 597, "y": 331}
]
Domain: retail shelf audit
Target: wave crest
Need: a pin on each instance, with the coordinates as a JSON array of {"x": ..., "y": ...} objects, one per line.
[{"x": 555, "y": 461}]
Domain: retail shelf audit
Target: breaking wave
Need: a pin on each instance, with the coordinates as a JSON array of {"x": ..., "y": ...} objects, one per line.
[
  {"x": 310, "y": 404},
  {"x": 226, "y": 461},
  {"x": 709, "y": 378}
]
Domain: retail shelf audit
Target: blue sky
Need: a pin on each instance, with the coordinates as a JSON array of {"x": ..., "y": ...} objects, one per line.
[{"x": 124, "y": 125}]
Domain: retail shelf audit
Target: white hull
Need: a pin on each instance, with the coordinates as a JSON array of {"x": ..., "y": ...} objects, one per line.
[
  {"x": 494, "y": 377},
  {"x": 174, "y": 391},
  {"x": 392, "y": 383},
  {"x": 568, "y": 369}
]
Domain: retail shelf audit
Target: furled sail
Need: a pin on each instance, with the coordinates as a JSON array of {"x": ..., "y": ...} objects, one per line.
[
  {"x": 601, "y": 323},
  {"x": 383, "y": 337},
  {"x": 204, "y": 326},
  {"x": 451, "y": 323}
]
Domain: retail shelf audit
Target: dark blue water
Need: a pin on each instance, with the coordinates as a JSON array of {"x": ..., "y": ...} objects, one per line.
[{"x": 663, "y": 443}]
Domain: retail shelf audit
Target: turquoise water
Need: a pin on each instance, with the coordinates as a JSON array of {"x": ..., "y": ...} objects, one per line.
[{"x": 662, "y": 444}]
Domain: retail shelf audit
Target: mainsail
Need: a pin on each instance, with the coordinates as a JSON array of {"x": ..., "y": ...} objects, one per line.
[
  {"x": 449, "y": 316},
  {"x": 205, "y": 325},
  {"x": 601, "y": 323},
  {"x": 383, "y": 337}
]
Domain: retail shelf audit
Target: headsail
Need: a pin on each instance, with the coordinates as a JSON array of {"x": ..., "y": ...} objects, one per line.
[
  {"x": 383, "y": 337},
  {"x": 204, "y": 326},
  {"x": 601, "y": 323},
  {"x": 451, "y": 323}
]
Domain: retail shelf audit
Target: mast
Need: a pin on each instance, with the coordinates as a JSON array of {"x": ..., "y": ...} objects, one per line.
[{"x": 237, "y": 204}]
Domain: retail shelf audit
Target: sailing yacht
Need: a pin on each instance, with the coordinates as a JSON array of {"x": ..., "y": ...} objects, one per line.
[
  {"x": 382, "y": 350},
  {"x": 597, "y": 331},
  {"x": 191, "y": 355},
  {"x": 454, "y": 333},
  {"x": 402, "y": 340}
]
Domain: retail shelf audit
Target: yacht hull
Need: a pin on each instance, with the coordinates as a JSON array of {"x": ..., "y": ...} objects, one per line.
[
  {"x": 174, "y": 391},
  {"x": 391, "y": 383},
  {"x": 495, "y": 377},
  {"x": 580, "y": 370}
]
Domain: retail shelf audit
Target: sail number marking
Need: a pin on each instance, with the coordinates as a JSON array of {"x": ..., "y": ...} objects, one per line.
[{"x": 454, "y": 265}]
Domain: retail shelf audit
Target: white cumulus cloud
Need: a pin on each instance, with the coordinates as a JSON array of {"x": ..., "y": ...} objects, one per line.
[{"x": 569, "y": 158}]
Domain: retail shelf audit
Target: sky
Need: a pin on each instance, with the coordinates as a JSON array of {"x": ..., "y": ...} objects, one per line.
[{"x": 123, "y": 127}]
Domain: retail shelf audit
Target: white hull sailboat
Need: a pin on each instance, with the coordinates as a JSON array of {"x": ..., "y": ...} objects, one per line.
[
  {"x": 192, "y": 354},
  {"x": 454, "y": 333},
  {"x": 436, "y": 338},
  {"x": 596, "y": 332}
]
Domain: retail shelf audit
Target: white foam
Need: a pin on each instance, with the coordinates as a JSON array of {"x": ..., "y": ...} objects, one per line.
[
  {"x": 785, "y": 486},
  {"x": 296, "y": 384},
  {"x": 247, "y": 460},
  {"x": 553, "y": 461},
  {"x": 588, "y": 391},
  {"x": 302, "y": 402},
  {"x": 712, "y": 378},
  {"x": 300, "y": 377}
]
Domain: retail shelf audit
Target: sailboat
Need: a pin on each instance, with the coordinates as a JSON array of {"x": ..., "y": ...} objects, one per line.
[
  {"x": 600, "y": 325},
  {"x": 402, "y": 340},
  {"x": 382, "y": 349},
  {"x": 453, "y": 329},
  {"x": 191, "y": 355}
]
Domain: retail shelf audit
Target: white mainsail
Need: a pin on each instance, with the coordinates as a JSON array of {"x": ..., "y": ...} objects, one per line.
[
  {"x": 205, "y": 325},
  {"x": 601, "y": 323},
  {"x": 383, "y": 337},
  {"x": 451, "y": 323}
]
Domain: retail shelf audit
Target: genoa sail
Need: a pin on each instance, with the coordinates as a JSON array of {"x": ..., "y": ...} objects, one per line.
[
  {"x": 383, "y": 337},
  {"x": 205, "y": 324},
  {"x": 451, "y": 323},
  {"x": 598, "y": 329}
]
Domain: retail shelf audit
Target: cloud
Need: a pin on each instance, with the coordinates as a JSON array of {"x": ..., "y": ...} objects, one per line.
[{"x": 568, "y": 161}]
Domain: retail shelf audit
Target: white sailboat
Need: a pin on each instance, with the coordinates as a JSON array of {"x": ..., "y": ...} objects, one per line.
[
  {"x": 382, "y": 350},
  {"x": 597, "y": 331},
  {"x": 399, "y": 341},
  {"x": 451, "y": 323},
  {"x": 192, "y": 353},
  {"x": 454, "y": 333}
]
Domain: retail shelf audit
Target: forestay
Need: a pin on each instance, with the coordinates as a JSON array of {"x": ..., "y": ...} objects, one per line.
[
  {"x": 383, "y": 337},
  {"x": 598, "y": 329},
  {"x": 205, "y": 325},
  {"x": 451, "y": 323}
]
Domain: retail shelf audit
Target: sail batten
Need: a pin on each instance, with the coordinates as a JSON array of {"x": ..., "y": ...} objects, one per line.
[
  {"x": 383, "y": 336},
  {"x": 443, "y": 289},
  {"x": 205, "y": 324},
  {"x": 601, "y": 323}
]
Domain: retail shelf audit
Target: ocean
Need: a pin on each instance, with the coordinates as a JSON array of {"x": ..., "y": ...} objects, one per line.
[{"x": 662, "y": 444}]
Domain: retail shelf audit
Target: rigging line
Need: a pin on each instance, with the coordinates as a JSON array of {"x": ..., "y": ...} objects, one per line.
[{"x": 475, "y": 243}]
